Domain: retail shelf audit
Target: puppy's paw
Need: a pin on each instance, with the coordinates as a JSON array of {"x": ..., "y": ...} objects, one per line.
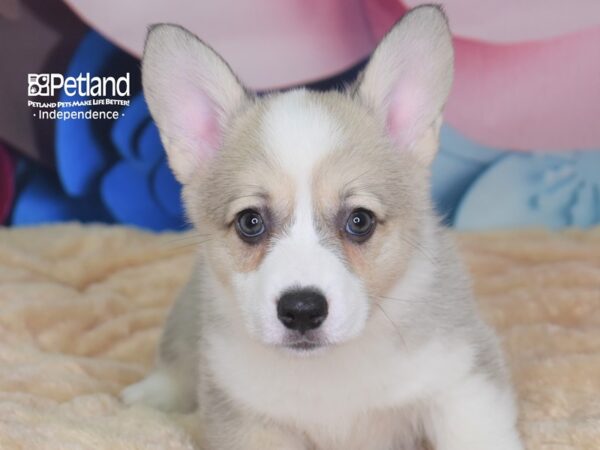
[{"x": 159, "y": 390}]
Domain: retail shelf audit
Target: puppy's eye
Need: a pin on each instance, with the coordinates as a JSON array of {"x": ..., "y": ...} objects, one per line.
[
  {"x": 250, "y": 225},
  {"x": 360, "y": 225}
]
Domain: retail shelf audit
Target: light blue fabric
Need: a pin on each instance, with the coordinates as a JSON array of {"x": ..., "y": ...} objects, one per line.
[
  {"x": 458, "y": 163},
  {"x": 527, "y": 190}
]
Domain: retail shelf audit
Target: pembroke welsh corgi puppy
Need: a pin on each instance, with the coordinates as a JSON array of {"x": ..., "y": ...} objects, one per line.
[{"x": 328, "y": 308}]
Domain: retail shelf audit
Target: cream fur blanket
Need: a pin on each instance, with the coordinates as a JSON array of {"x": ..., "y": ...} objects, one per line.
[{"x": 81, "y": 310}]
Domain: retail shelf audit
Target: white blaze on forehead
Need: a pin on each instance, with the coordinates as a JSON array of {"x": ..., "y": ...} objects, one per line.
[{"x": 298, "y": 132}]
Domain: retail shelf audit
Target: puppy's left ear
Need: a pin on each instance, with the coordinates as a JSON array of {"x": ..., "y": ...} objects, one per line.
[{"x": 408, "y": 80}]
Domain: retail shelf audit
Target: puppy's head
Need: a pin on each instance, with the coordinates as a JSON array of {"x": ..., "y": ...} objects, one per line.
[{"x": 309, "y": 204}]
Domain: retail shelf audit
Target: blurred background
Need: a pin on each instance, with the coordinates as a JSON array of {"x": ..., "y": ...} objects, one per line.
[{"x": 520, "y": 145}]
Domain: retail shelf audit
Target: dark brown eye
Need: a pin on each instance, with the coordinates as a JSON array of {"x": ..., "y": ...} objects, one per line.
[
  {"x": 250, "y": 225},
  {"x": 360, "y": 225}
]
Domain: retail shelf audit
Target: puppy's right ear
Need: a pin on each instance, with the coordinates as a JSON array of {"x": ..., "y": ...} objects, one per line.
[{"x": 191, "y": 93}]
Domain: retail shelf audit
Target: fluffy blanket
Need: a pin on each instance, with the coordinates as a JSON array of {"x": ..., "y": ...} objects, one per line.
[{"x": 81, "y": 310}]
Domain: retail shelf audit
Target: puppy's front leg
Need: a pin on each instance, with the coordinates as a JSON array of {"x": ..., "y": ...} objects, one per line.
[{"x": 476, "y": 414}]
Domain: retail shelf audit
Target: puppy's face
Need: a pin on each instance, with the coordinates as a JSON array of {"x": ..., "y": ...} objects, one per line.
[{"x": 309, "y": 204}]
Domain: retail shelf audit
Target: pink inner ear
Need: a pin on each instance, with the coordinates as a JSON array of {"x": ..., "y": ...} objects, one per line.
[
  {"x": 199, "y": 120},
  {"x": 405, "y": 108}
]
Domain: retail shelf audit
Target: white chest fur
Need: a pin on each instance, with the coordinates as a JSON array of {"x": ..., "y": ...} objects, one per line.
[{"x": 334, "y": 390}]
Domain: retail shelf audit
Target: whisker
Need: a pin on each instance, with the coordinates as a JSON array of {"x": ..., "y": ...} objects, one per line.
[
  {"x": 190, "y": 244},
  {"x": 430, "y": 304},
  {"x": 418, "y": 247},
  {"x": 353, "y": 180},
  {"x": 191, "y": 240},
  {"x": 403, "y": 300},
  {"x": 392, "y": 322},
  {"x": 189, "y": 236}
]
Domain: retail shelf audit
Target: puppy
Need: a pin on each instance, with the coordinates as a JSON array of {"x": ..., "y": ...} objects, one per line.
[{"x": 328, "y": 309}]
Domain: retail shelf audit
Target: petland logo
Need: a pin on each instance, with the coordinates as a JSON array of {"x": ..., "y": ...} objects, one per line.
[
  {"x": 83, "y": 97},
  {"x": 44, "y": 84}
]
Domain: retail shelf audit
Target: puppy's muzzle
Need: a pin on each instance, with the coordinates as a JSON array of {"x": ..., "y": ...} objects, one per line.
[{"x": 302, "y": 309}]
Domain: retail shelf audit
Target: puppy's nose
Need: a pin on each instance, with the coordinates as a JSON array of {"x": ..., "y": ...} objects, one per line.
[{"x": 302, "y": 309}]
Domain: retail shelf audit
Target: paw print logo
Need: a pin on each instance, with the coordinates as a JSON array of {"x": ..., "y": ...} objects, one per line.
[{"x": 38, "y": 84}]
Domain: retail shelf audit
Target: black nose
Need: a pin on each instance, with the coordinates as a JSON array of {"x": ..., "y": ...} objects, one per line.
[{"x": 302, "y": 309}]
